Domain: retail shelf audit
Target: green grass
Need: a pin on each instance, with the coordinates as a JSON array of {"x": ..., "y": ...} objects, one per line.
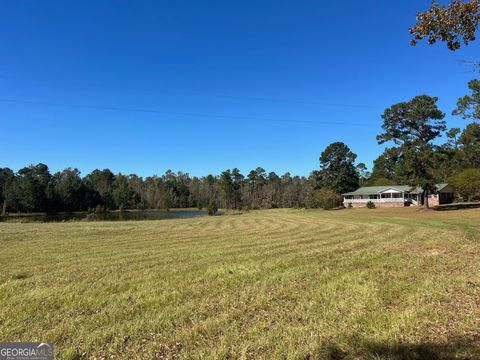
[{"x": 366, "y": 284}]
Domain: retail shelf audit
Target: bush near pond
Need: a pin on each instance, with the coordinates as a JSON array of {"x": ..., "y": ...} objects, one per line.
[{"x": 327, "y": 199}]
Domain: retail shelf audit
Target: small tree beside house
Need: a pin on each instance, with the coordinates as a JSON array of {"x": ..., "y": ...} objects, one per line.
[{"x": 467, "y": 184}]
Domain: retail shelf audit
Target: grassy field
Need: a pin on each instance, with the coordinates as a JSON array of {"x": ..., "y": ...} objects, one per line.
[{"x": 367, "y": 284}]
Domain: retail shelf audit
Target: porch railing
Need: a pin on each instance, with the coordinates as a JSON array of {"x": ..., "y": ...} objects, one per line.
[{"x": 382, "y": 200}]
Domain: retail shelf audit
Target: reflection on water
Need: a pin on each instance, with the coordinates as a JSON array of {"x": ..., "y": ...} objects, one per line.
[{"x": 110, "y": 216}]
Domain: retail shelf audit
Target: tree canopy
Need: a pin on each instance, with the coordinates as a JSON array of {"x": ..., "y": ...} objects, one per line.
[
  {"x": 412, "y": 125},
  {"x": 469, "y": 106},
  {"x": 467, "y": 183},
  {"x": 455, "y": 23},
  {"x": 337, "y": 168}
]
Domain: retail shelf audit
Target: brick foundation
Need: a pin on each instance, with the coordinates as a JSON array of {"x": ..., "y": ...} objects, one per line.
[
  {"x": 378, "y": 205},
  {"x": 433, "y": 200}
]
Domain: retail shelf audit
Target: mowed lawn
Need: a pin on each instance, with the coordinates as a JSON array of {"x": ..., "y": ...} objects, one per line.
[{"x": 279, "y": 284}]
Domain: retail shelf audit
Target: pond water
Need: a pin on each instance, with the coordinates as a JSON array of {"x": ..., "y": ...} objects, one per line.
[{"x": 109, "y": 216}]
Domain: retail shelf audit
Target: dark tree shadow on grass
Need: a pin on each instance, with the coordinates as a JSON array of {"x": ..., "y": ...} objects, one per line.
[
  {"x": 459, "y": 206},
  {"x": 459, "y": 348}
]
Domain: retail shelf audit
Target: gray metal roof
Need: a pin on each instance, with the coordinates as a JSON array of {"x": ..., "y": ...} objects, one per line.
[{"x": 373, "y": 190}]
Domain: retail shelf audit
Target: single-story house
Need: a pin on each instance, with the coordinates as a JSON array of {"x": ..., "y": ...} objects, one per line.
[{"x": 397, "y": 196}]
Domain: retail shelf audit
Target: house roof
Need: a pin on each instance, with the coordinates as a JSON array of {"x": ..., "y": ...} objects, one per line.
[
  {"x": 440, "y": 187},
  {"x": 373, "y": 190}
]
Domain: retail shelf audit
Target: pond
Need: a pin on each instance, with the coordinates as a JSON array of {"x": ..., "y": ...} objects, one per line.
[{"x": 108, "y": 216}]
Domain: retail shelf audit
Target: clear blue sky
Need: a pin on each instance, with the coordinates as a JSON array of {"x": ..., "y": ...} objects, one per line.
[{"x": 201, "y": 86}]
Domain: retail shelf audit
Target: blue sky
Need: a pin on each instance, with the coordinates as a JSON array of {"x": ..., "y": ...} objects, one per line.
[{"x": 146, "y": 86}]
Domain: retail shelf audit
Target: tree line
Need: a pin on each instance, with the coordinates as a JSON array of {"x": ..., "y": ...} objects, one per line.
[
  {"x": 35, "y": 189},
  {"x": 414, "y": 157}
]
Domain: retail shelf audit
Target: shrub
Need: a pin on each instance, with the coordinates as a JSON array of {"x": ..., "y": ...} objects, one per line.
[
  {"x": 467, "y": 183},
  {"x": 212, "y": 208},
  {"x": 99, "y": 208},
  {"x": 327, "y": 199},
  {"x": 370, "y": 205}
]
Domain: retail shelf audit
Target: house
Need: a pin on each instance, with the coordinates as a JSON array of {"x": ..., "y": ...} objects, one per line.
[{"x": 397, "y": 196}]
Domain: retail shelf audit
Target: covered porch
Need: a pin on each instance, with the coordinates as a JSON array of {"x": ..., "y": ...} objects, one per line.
[{"x": 386, "y": 197}]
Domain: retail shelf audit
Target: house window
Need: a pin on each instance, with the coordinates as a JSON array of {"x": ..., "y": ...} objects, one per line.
[{"x": 397, "y": 195}]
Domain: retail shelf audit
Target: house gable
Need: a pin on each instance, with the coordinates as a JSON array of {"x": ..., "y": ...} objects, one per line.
[
  {"x": 390, "y": 191},
  {"x": 444, "y": 188}
]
